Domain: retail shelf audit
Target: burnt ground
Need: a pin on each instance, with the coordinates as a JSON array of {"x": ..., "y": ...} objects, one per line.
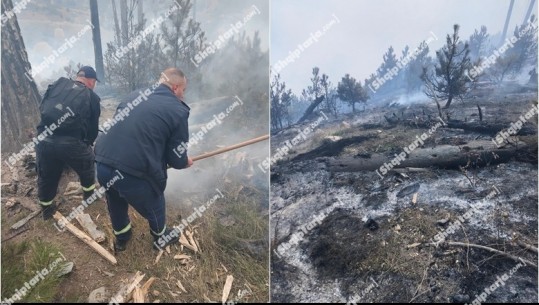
[{"x": 374, "y": 243}]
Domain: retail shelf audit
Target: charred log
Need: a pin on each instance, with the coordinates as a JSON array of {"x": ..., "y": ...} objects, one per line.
[{"x": 474, "y": 154}]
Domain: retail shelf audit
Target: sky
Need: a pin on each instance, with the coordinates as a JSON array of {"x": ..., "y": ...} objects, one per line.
[{"x": 363, "y": 30}]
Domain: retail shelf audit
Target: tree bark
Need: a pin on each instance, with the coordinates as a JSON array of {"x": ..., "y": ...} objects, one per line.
[
  {"x": 96, "y": 37},
  {"x": 20, "y": 97},
  {"x": 123, "y": 20},
  {"x": 117, "y": 30},
  {"x": 140, "y": 12}
]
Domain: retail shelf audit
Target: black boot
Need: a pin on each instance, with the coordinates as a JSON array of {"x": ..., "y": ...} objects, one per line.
[
  {"x": 122, "y": 240},
  {"x": 170, "y": 237},
  {"x": 48, "y": 210},
  {"x": 87, "y": 194}
]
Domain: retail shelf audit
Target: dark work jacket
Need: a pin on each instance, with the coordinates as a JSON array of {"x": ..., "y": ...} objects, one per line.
[
  {"x": 146, "y": 137},
  {"x": 89, "y": 134}
]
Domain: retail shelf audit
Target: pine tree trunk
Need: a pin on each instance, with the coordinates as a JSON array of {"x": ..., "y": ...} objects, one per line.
[
  {"x": 449, "y": 100},
  {"x": 96, "y": 37},
  {"x": 20, "y": 97},
  {"x": 123, "y": 20},
  {"x": 140, "y": 12},
  {"x": 116, "y": 24}
]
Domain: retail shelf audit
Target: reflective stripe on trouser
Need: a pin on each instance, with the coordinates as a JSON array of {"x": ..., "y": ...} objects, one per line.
[
  {"x": 88, "y": 189},
  {"x": 45, "y": 204},
  {"x": 159, "y": 234},
  {"x": 124, "y": 230}
]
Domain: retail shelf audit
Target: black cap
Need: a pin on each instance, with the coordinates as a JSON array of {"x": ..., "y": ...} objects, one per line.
[{"x": 87, "y": 72}]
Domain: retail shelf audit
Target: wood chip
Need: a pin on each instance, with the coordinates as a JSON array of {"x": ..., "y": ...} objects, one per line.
[
  {"x": 138, "y": 296},
  {"x": 90, "y": 227},
  {"x": 413, "y": 245},
  {"x": 159, "y": 256},
  {"x": 182, "y": 256},
  {"x": 185, "y": 243},
  {"x": 179, "y": 284},
  {"x": 146, "y": 287},
  {"x": 226, "y": 288},
  {"x": 168, "y": 249},
  {"x": 223, "y": 267},
  {"x": 125, "y": 293},
  {"x": 191, "y": 240},
  {"x": 197, "y": 245}
]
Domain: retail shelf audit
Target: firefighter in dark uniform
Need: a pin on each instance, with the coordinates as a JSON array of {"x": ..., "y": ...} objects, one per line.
[
  {"x": 140, "y": 147},
  {"x": 70, "y": 113}
]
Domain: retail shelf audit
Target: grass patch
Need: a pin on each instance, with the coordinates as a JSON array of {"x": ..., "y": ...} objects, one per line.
[
  {"x": 242, "y": 248},
  {"x": 21, "y": 263}
]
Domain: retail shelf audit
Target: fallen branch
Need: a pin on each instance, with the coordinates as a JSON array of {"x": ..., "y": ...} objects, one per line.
[
  {"x": 26, "y": 219},
  {"x": 410, "y": 170},
  {"x": 513, "y": 257},
  {"x": 85, "y": 238},
  {"x": 527, "y": 246}
]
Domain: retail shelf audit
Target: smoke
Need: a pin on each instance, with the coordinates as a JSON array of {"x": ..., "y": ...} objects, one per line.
[
  {"x": 234, "y": 94},
  {"x": 192, "y": 186},
  {"x": 409, "y": 99}
]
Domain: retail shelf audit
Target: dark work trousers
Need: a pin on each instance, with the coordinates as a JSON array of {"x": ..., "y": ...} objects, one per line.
[
  {"x": 133, "y": 191},
  {"x": 52, "y": 154}
]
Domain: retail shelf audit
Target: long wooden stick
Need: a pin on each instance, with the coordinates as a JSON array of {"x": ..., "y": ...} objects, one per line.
[
  {"x": 86, "y": 239},
  {"x": 229, "y": 148}
]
